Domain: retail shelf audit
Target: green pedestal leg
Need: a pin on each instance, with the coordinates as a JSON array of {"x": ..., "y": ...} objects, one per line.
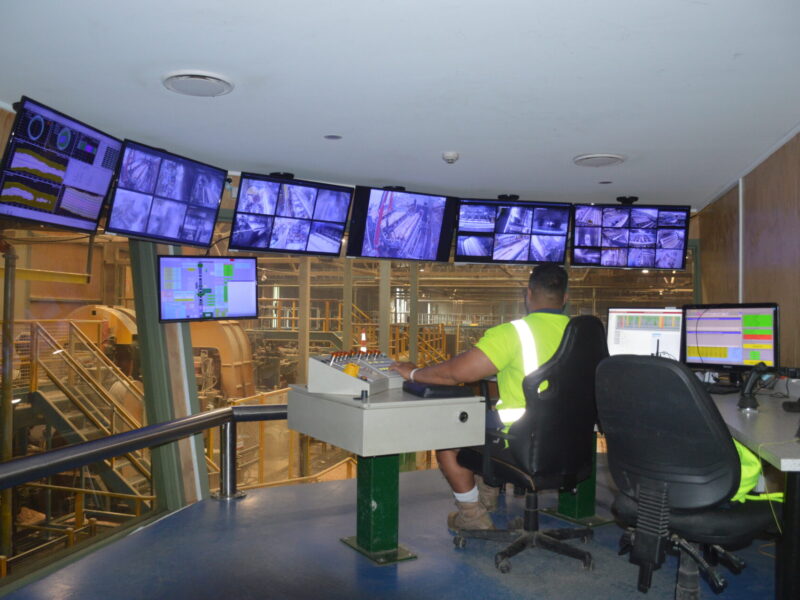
[
  {"x": 378, "y": 510},
  {"x": 580, "y": 506}
]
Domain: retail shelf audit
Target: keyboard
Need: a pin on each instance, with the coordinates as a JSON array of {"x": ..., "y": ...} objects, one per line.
[{"x": 721, "y": 388}]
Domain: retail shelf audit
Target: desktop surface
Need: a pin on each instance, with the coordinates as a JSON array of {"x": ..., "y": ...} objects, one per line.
[{"x": 770, "y": 431}]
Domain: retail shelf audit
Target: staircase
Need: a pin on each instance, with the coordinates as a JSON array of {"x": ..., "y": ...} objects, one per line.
[{"x": 85, "y": 397}]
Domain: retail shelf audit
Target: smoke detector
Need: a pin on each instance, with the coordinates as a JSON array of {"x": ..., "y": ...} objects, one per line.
[
  {"x": 197, "y": 83},
  {"x": 598, "y": 160}
]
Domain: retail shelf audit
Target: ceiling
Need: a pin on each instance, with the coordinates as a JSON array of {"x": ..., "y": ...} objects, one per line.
[{"x": 692, "y": 93}]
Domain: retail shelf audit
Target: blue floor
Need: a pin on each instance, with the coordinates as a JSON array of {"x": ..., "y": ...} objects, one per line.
[{"x": 284, "y": 543}]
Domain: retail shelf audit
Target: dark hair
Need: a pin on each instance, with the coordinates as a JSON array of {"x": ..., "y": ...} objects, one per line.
[{"x": 549, "y": 280}]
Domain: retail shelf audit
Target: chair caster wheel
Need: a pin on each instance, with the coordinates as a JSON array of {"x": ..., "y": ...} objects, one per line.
[
  {"x": 460, "y": 541},
  {"x": 502, "y": 565},
  {"x": 588, "y": 564}
]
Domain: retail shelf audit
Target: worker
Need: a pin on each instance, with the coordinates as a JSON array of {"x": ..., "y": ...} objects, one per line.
[{"x": 503, "y": 350}]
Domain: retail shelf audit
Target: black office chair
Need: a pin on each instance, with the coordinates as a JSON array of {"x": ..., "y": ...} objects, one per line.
[
  {"x": 550, "y": 446},
  {"x": 676, "y": 466}
]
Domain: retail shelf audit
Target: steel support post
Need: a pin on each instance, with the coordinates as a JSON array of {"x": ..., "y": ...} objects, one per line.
[
  {"x": 378, "y": 511},
  {"x": 227, "y": 463},
  {"x": 6, "y": 404}
]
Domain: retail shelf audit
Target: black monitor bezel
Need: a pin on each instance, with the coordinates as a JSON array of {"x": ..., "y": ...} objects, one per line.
[
  {"x": 302, "y": 182},
  {"x": 464, "y": 259},
  {"x": 572, "y": 245},
  {"x": 159, "y": 269},
  {"x": 729, "y": 367},
  {"x": 358, "y": 222},
  {"x": 153, "y": 238},
  {"x": 5, "y": 161}
]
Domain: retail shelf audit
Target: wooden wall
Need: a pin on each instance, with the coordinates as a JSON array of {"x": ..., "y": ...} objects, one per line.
[
  {"x": 770, "y": 240},
  {"x": 6, "y": 121},
  {"x": 718, "y": 231},
  {"x": 771, "y": 263}
]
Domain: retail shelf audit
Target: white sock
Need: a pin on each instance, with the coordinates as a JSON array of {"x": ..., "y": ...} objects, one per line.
[{"x": 470, "y": 496}]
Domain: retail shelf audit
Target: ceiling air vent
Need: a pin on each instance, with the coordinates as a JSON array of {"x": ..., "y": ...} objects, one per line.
[
  {"x": 598, "y": 160},
  {"x": 197, "y": 83}
]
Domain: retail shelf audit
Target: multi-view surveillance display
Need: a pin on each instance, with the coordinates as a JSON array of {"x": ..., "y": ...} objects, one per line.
[
  {"x": 399, "y": 224},
  {"x": 630, "y": 236},
  {"x": 280, "y": 215},
  {"x": 499, "y": 231},
  {"x": 56, "y": 170},
  {"x": 165, "y": 197}
]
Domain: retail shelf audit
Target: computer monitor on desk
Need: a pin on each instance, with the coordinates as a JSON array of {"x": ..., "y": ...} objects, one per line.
[
  {"x": 645, "y": 331},
  {"x": 730, "y": 337}
]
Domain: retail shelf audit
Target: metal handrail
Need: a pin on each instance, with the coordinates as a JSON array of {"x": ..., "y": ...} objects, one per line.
[
  {"x": 107, "y": 363},
  {"x": 30, "y": 468}
]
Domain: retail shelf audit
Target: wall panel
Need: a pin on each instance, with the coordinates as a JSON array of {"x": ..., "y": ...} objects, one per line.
[
  {"x": 718, "y": 225},
  {"x": 771, "y": 263},
  {"x": 6, "y": 121}
]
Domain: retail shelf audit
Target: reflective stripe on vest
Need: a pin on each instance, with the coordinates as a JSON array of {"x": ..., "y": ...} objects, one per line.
[
  {"x": 530, "y": 362},
  {"x": 510, "y": 415},
  {"x": 530, "y": 358}
]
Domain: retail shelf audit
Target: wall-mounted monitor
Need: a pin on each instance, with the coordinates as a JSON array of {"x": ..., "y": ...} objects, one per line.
[
  {"x": 163, "y": 197},
  {"x": 289, "y": 216},
  {"x": 645, "y": 331},
  {"x": 55, "y": 170},
  {"x": 512, "y": 231},
  {"x": 641, "y": 236},
  {"x": 730, "y": 337},
  {"x": 401, "y": 225},
  {"x": 202, "y": 288}
]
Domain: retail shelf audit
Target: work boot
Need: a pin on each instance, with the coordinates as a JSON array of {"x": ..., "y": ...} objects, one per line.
[
  {"x": 470, "y": 515},
  {"x": 487, "y": 494}
]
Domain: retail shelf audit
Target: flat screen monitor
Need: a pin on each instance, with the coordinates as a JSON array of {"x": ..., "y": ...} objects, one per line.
[
  {"x": 401, "y": 225},
  {"x": 641, "y": 236},
  {"x": 645, "y": 331},
  {"x": 164, "y": 197},
  {"x": 730, "y": 337},
  {"x": 289, "y": 216},
  {"x": 56, "y": 170},
  {"x": 512, "y": 232},
  {"x": 202, "y": 288}
]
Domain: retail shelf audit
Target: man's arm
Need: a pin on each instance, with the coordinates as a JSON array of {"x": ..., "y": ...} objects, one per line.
[{"x": 472, "y": 365}]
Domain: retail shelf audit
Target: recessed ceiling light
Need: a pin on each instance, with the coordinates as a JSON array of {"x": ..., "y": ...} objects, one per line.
[
  {"x": 332, "y": 136},
  {"x": 598, "y": 160},
  {"x": 604, "y": 182},
  {"x": 197, "y": 83}
]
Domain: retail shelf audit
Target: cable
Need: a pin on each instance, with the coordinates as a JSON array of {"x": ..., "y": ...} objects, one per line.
[
  {"x": 222, "y": 239},
  {"x": 23, "y": 242},
  {"x": 762, "y": 552},
  {"x": 769, "y": 498},
  {"x": 782, "y": 394}
]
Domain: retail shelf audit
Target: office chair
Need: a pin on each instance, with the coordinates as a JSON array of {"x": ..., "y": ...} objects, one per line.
[
  {"x": 675, "y": 464},
  {"x": 551, "y": 446}
]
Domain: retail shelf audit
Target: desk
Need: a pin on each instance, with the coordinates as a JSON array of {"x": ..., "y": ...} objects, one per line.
[
  {"x": 770, "y": 433},
  {"x": 378, "y": 430}
]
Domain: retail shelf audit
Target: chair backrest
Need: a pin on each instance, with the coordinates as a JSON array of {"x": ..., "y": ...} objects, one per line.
[
  {"x": 553, "y": 440},
  {"x": 663, "y": 430}
]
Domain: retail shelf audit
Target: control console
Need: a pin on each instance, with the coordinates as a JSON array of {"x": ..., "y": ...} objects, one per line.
[{"x": 352, "y": 372}]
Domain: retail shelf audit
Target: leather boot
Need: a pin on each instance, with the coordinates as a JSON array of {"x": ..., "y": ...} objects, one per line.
[
  {"x": 487, "y": 494},
  {"x": 470, "y": 515}
]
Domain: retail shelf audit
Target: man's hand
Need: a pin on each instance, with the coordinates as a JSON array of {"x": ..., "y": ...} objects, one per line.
[{"x": 404, "y": 368}]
